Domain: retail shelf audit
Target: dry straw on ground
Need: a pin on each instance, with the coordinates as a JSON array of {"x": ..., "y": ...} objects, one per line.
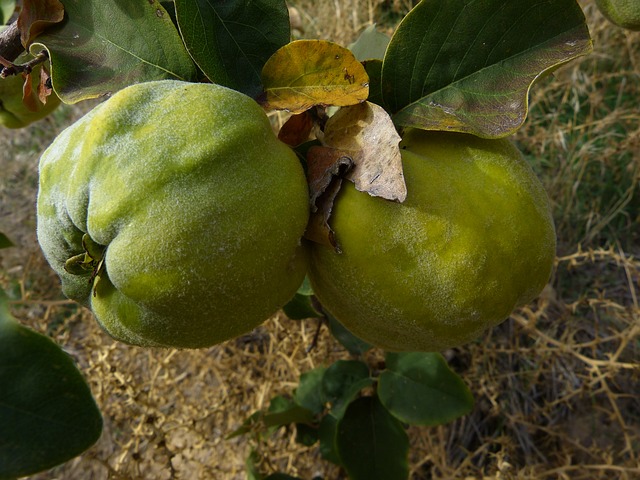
[{"x": 556, "y": 385}]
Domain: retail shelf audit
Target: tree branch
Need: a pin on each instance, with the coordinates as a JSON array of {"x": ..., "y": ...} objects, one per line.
[{"x": 10, "y": 45}]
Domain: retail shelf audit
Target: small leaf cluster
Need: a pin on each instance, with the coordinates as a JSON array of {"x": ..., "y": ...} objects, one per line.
[
  {"x": 357, "y": 415},
  {"x": 355, "y": 412}
]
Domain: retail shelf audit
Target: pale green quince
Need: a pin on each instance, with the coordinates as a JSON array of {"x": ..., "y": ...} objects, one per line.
[{"x": 174, "y": 213}]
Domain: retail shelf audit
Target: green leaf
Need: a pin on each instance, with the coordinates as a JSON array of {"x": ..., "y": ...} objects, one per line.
[
  {"x": 7, "y": 7},
  {"x": 102, "y": 47},
  {"x": 420, "y": 389},
  {"x": 374, "y": 70},
  {"x": 4, "y": 241},
  {"x": 327, "y": 433},
  {"x": 468, "y": 65},
  {"x": 305, "y": 288},
  {"x": 282, "y": 411},
  {"x": 348, "y": 340},
  {"x": 232, "y": 40},
  {"x": 370, "y": 45},
  {"x": 306, "y": 73},
  {"x": 371, "y": 443},
  {"x": 342, "y": 382},
  {"x": 309, "y": 393},
  {"x": 248, "y": 425},
  {"x": 301, "y": 305},
  {"x": 47, "y": 412}
]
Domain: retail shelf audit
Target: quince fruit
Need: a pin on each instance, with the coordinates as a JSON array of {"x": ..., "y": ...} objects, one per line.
[
  {"x": 624, "y": 13},
  {"x": 174, "y": 213},
  {"x": 473, "y": 240}
]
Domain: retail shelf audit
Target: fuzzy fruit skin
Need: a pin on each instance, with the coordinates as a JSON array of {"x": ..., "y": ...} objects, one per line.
[
  {"x": 201, "y": 209},
  {"x": 473, "y": 240},
  {"x": 624, "y": 13},
  {"x": 13, "y": 112}
]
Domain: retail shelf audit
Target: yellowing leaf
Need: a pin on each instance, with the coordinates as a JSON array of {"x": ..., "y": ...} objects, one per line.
[
  {"x": 306, "y": 73},
  {"x": 367, "y": 133}
]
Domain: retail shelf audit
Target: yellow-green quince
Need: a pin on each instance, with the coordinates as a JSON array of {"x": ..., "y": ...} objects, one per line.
[
  {"x": 473, "y": 240},
  {"x": 175, "y": 214},
  {"x": 624, "y": 13}
]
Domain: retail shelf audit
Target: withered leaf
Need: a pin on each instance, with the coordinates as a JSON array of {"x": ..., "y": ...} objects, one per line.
[
  {"x": 296, "y": 129},
  {"x": 366, "y": 132},
  {"x": 36, "y": 16},
  {"x": 44, "y": 87},
  {"x": 29, "y": 99},
  {"x": 318, "y": 228},
  {"x": 325, "y": 168},
  {"x": 324, "y": 165}
]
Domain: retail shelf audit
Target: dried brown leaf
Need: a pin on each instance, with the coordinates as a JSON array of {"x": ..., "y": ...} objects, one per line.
[
  {"x": 325, "y": 169},
  {"x": 296, "y": 129},
  {"x": 36, "y": 16},
  {"x": 44, "y": 87},
  {"x": 29, "y": 99},
  {"x": 325, "y": 164},
  {"x": 318, "y": 228},
  {"x": 366, "y": 132}
]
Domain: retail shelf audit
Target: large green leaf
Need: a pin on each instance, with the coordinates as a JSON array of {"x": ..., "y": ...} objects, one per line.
[
  {"x": 371, "y": 443},
  {"x": 47, "y": 413},
  {"x": 468, "y": 65},
  {"x": 419, "y": 388},
  {"x": 231, "y": 40},
  {"x": 102, "y": 47}
]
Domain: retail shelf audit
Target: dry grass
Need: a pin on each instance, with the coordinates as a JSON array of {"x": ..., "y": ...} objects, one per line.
[{"x": 556, "y": 385}]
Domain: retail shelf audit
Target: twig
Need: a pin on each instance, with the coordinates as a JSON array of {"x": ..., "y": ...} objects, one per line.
[
  {"x": 14, "y": 69},
  {"x": 10, "y": 45}
]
